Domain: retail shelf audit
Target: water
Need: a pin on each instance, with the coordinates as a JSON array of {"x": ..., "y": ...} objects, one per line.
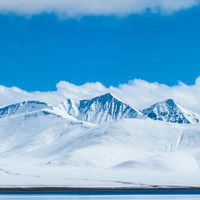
[{"x": 99, "y": 197}]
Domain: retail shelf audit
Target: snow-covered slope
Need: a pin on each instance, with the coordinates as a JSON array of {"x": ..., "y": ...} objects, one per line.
[
  {"x": 54, "y": 140},
  {"x": 70, "y": 107},
  {"x": 131, "y": 140},
  {"x": 171, "y": 111},
  {"x": 39, "y": 129},
  {"x": 40, "y": 140},
  {"x": 28, "y": 126},
  {"x": 100, "y": 109}
]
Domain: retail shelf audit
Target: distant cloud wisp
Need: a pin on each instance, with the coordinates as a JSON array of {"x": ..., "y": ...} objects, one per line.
[{"x": 74, "y": 8}]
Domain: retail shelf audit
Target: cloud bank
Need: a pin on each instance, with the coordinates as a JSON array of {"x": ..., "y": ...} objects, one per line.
[
  {"x": 138, "y": 93},
  {"x": 74, "y": 8}
]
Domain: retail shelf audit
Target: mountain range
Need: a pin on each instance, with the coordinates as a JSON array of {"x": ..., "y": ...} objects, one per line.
[
  {"x": 106, "y": 108},
  {"x": 102, "y": 132}
]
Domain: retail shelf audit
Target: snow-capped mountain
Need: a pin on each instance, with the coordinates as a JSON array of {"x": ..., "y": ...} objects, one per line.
[
  {"x": 23, "y": 107},
  {"x": 39, "y": 141},
  {"x": 27, "y": 108},
  {"x": 105, "y": 108},
  {"x": 171, "y": 111}
]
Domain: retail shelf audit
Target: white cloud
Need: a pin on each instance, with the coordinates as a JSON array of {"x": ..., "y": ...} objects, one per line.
[
  {"x": 141, "y": 94},
  {"x": 73, "y": 8},
  {"x": 138, "y": 93},
  {"x": 85, "y": 91}
]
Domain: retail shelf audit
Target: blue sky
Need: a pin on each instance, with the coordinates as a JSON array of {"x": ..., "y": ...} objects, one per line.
[{"x": 39, "y": 51}]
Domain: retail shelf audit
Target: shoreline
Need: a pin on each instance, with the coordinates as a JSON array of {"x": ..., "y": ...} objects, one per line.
[{"x": 152, "y": 190}]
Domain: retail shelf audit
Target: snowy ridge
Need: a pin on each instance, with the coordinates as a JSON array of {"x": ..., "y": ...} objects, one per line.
[
  {"x": 171, "y": 111},
  {"x": 32, "y": 108},
  {"x": 22, "y": 108}
]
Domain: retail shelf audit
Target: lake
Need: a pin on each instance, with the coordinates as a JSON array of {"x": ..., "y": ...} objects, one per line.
[
  {"x": 101, "y": 194},
  {"x": 98, "y": 197}
]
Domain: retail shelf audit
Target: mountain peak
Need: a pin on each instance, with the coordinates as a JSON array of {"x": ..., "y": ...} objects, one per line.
[
  {"x": 105, "y": 108},
  {"x": 170, "y": 101},
  {"x": 170, "y": 111},
  {"x": 108, "y": 96}
]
